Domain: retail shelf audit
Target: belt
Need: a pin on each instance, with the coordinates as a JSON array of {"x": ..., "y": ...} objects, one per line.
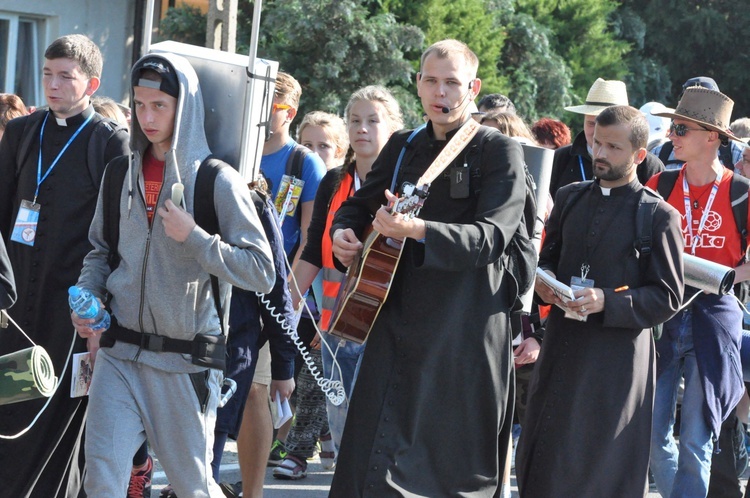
[{"x": 205, "y": 350}]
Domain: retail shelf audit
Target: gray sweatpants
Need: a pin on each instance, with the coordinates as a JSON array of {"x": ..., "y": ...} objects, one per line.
[{"x": 129, "y": 402}]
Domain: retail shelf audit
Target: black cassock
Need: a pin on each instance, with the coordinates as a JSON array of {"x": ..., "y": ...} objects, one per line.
[
  {"x": 48, "y": 460},
  {"x": 588, "y": 419},
  {"x": 430, "y": 400}
]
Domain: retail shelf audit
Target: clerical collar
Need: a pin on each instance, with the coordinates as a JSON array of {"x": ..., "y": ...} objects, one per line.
[
  {"x": 615, "y": 191},
  {"x": 76, "y": 120}
]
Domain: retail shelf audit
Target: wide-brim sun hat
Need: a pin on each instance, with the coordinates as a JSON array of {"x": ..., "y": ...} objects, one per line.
[
  {"x": 708, "y": 108},
  {"x": 602, "y": 94}
]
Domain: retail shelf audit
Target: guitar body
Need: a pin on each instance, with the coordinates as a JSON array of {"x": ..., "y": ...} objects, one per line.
[{"x": 365, "y": 288}]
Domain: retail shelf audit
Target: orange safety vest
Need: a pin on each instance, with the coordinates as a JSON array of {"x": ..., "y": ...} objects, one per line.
[{"x": 332, "y": 278}]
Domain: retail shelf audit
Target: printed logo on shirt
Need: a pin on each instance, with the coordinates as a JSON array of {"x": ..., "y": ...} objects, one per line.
[{"x": 706, "y": 239}]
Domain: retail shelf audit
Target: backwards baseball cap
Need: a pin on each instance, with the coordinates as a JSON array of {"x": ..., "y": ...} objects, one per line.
[
  {"x": 703, "y": 81},
  {"x": 169, "y": 83}
]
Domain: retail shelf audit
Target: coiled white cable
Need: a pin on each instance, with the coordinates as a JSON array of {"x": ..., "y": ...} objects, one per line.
[{"x": 333, "y": 389}]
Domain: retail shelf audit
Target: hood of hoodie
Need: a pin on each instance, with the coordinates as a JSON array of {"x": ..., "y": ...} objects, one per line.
[{"x": 189, "y": 145}]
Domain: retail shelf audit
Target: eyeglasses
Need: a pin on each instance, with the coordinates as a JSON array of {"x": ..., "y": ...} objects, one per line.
[
  {"x": 681, "y": 130},
  {"x": 280, "y": 107}
]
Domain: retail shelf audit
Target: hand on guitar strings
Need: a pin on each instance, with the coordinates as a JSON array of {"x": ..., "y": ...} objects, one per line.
[
  {"x": 396, "y": 225},
  {"x": 345, "y": 245}
]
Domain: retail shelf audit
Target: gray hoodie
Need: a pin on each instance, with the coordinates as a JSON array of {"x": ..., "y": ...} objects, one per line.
[{"x": 162, "y": 286}]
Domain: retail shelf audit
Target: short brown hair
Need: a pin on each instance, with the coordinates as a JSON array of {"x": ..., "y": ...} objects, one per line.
[
  {"x": 510, "y": 124},
  {"x": 630, "y": 117},
  {"x": 287, "y": 89},
  {"x": 80, "y": 49},
  {"x": 445, "y": 48},
  {"x": 11, "y": 106}
]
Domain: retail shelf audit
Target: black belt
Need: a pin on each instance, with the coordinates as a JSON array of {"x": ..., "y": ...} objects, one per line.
[{"x": 205, "y": 350}]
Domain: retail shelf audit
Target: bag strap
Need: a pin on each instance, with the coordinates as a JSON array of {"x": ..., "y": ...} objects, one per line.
[
  {"x": 644, "y": 223},
  {"x": 296, "y": 160},
  {"x": 666, "y": 181},
  {"x": 205, "y": 214},
  {"x": 738, "y": 195},
  {"x": 451, "y": 151},
  {"x": 114, "y": 179},
  {"x": 403, "y": 153}
]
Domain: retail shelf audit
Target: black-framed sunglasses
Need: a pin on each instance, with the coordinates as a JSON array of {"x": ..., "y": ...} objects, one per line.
[{"x": 681, "y": 130}]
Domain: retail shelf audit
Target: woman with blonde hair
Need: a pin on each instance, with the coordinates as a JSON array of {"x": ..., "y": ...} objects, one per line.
[{"x": 325, "y": 134}]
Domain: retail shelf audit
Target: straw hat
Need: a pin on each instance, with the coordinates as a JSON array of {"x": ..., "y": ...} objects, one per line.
[
  {"x": 708, "y": 108},
  {"x": 603, "y": 94}
]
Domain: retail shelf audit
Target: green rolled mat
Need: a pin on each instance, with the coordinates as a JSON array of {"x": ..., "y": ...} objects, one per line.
[{"x": 26, "y": 374}]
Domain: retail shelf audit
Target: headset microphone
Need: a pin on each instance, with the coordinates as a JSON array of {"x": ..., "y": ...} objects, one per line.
[{"x": 446, "y": 109}]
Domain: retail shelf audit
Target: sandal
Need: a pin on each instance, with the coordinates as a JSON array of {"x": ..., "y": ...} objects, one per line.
[
  {"x": 291, "y": 468},
  {"x": 327, "y": 452}
]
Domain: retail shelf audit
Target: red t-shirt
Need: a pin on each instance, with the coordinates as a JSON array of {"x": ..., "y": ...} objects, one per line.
[
  {"x": 720, "y": 241},
  {"x": 153, "y": 177}
]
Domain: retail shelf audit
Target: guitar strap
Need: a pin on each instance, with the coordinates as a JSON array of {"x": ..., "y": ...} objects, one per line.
[{"x": 454, "y": 147}]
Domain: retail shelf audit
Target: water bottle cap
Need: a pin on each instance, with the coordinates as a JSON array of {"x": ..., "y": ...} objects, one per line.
[{"x": 74, "y": 291}]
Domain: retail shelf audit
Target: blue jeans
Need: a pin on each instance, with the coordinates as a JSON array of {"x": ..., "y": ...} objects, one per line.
[
  {"x": 682, "y": 473},
  {"x": 348, "y": 355}
]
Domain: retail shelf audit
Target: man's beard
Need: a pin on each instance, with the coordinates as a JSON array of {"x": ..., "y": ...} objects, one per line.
[{"x": 611, "y": 173}]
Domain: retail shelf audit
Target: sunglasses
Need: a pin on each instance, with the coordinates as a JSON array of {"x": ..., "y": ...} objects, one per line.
[
  {"x": 280, "y": 107},
  {"x": 681, "y": 130}
]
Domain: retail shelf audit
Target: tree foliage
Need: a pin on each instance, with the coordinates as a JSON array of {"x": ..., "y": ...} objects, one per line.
[
  {"x": 334, "y": 47},
  {"x": 184, "y": 24}
]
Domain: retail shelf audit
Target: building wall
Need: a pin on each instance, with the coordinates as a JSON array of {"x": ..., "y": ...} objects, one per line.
[{"x": 109, "y": 23}]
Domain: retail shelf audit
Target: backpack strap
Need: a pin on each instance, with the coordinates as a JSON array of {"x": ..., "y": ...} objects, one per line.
[
  {"x": 296, "y": 160},
  {"x": 413, "y": 134},
  {"x": 738, "y": 195},
  {"x": 575, "y": 194},
  {"x": 666, "y": 181},
  {"x": 29, "y": 134},
  {"x": 725, "y": 156},
  {"x": 205, "y": 214},
  {"x": 104, "y": 130},
  {"x": 114, "y": 179},
  {"x": 644, "y": 223}
]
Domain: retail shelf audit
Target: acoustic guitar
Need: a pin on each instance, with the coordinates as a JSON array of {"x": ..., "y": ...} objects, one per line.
[{"x": 369, "y": 278}]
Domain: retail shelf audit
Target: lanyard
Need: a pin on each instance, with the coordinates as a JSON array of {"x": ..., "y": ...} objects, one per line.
[
  {"x": 689, "y": 212},
  {"x": 39, "y": 177},
  {"x": 583, "y": 173}
]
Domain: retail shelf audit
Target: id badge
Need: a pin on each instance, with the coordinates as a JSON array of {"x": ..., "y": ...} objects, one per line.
[
  {"x": 24, "y": 230},
  {"x": 578, "y": 283},
  {"x": 288, "y": 196}
]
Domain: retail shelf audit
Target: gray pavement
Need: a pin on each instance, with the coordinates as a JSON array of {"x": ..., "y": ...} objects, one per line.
[{"x": 315, "y": 485}]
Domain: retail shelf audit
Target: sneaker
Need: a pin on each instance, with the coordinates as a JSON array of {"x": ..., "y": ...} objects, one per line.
[
  {"x": 327, "y": 452},
  {"x": 231, "y": 490},
  {"x": 140, "y": 482},
  {"x": 278, "y": 453},
  {"x": 291, "y": 468}
]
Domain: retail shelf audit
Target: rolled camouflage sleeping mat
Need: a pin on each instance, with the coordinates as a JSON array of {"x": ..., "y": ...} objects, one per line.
[{"x": 26, "y": 374}]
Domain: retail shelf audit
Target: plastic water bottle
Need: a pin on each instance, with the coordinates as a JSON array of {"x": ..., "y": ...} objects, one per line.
[{"x": 86, "y": 305}]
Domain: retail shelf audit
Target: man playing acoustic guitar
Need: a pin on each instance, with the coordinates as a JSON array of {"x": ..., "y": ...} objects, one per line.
[{"x": 428, "y": 415}]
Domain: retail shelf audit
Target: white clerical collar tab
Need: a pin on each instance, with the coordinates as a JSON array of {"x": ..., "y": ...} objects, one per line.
[
  {"x": 61, "y": 121},
  {"x": 606, "y": 191}
]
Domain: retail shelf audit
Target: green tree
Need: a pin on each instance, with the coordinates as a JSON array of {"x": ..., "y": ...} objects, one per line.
[
  {"x": 184, "y": 24},
  {"x": 473, "y": 22},
  {"x": 538, "y": 78},
  {"x": 334, "y": 47},
  {"x": 699, "y": 38},
  {"x": 580, "y": 32}
]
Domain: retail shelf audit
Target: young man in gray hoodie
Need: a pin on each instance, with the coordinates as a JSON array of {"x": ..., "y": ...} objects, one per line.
[{"x": 160, "y": 293}]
